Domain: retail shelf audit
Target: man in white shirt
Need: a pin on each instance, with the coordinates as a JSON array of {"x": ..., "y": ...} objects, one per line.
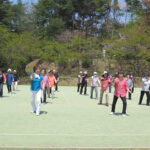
[
  {"x": 94, "y": 85},
  {"x": 145, "y": 89}
]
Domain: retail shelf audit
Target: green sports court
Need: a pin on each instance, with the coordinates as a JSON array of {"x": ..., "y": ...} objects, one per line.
[{"x": 72, "y": 121}]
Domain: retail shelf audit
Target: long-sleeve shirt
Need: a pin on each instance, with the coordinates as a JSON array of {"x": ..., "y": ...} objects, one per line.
[
  {"x": 1, "y": 78},
  {"x": 9, "y": 78},
  {"x": 145, "y": 84},
  {"x": 121, "y": 87},
  {"x": 45, "y": 81},
  {"x": 52, "y": 80},
  {"x": 104, "y": 83},
  {"x": 79, "y": 79},
  {"x": 95, "y": 81},
  {"x": 36, "y": 82},
  {"x": 4, "y": 77},
  {"x": 130, "y": 83},
  {"x": 15, "y": 77}
]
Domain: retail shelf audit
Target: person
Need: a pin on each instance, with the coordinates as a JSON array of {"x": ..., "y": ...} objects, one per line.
[
  {"x": 4, "y": 76},
  {"x": 94, "y": 84},
  {"x": 9, "y": 80},
  {"x": 130, "y": 85},
  {"x": 111, "y": 79},
  {"x": 35, "y": 90},
  {"x": 52, "y": 81},
  {"x": 104, "y": 88},
  {"x": 145, "y": 89},
  {"x": 84, "y": 83},
  {"x": 44, "y": 84},
  {"x": 121, "y": 88},
  {"x": 133, "y": 81},
  {"x": 48, "y": 87},
  {"x": 15, "y": 80},
  {"x": 1, "y": 82},
  {"x": 57, "y": 79},
  {"x": 79, "y": 81}
]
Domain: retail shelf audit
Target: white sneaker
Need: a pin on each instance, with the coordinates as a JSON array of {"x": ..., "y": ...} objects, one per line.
[
  {"x": 124, "y": 115},
  {"x": 37, "y": 113},
  {"x": 112, "y": 113},
  {"x": 33, "y": 111}
]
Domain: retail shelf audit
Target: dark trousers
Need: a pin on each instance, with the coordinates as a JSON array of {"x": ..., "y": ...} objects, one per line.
[
  {"x": 129, "y": 94},
  {"x": 1, "y": 89},
  {"x": 78, "y": 87},
  {"x": 44, "y": 95},
  {"x": 85, "y": 88},
  {"x": 9, "y": 88},
  {"x": 142, "y": 95},
  {"x": 109, "y": 87},
  {"x": 124, "y": 104},
  {"x": 132, "y": 90},
  {"x": 56, "y": 86}
]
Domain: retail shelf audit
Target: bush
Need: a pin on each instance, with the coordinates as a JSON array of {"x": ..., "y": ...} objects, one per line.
[{"x": 86, "y": 62}]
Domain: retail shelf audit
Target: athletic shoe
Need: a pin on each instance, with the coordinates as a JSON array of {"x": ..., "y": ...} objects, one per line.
[
  {"x": 112, "y": 113},
  {"x": 124, "y": 115},
  {"x": 37, "y": 113},
  {"x": 107, "y": 104},
  {"x": 100, "y": 103},
  {"x": 33, "y": 111}
]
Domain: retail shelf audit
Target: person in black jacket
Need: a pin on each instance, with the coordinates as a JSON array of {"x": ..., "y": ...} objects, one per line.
[
  {"x": 1, "y": 82},
  {"x": 84, "y": 83}
]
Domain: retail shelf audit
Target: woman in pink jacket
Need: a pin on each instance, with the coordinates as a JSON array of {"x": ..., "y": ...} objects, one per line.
[
  {"x": 104, "y": 88},
  {"x": 121, "y": 89}
]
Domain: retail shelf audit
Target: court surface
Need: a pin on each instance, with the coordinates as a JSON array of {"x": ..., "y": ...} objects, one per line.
[{"x": 72, "y": 121}]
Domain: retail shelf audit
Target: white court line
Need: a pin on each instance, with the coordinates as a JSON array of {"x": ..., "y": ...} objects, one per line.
[
  {"x": 74, "y": 135},
  {"x": 44, "y": 147}
]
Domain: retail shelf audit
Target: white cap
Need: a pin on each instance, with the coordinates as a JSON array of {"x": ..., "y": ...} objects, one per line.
[
  {"x": 105, "y": 72},
  {"x": 9, "y": 70},
  {"x": 15, "y": 71},
  {"x": 85, "y": 72},
  {"x": 95, "y": 73},
  {"x": 80, "y": 71}
]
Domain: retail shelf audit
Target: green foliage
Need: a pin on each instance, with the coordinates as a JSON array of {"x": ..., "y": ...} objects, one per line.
[
  {"x": 86, "y": 62},
  {"x": 26, "y": 35}
]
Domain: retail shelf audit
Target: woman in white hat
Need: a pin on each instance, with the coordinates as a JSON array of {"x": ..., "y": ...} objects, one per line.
[
  {"x": 94, "y": 85},
  {"x": 104, "y": 87}
]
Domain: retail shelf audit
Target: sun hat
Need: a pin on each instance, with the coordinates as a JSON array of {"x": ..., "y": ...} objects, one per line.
[
  {"x": 95, "y": 73},
  {"x": 105, "y": 72}
]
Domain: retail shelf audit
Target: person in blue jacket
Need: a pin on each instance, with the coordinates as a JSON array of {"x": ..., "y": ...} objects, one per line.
[
  {"x": 9, "y": 80},
  {"x": 35, "y": 90}
]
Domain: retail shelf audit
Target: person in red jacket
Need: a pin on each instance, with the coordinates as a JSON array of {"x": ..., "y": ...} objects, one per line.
[
  {"x": 121, "y": 88},
  {"x": 104, "y": 87}
]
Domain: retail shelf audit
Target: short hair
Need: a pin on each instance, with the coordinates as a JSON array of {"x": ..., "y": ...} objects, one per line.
[
  {"x": 43, "y": 69},
  {"x": 121, "y": 72},
  {"x": 35, "y": 68}
]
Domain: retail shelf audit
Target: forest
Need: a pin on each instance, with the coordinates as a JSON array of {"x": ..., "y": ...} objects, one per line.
[{"x": 76, "y": 34}]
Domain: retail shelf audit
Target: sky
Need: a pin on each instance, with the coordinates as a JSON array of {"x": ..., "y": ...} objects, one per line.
[
  {"x": 121, "y": 2},
  {"x": 24, "y": 1}
]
